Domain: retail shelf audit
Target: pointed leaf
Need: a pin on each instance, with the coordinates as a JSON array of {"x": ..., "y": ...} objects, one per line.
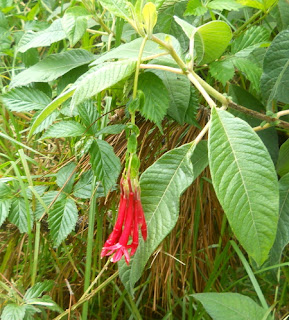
[
  {"x": 25, "y": 99},
  {"x": 37, "y": 290},
  {"x": 4, "y": 209},
  {"x": 18, "y": 214},
  {"x": 66, "y": 175},
  {"x": 283, "y": 159},
  {"x": 105, "y": 164},
  {"x": 64, "y": 129},
  {"x": 52, "y": 67},
  {"x": 102, "y": 78},
  {"x": 161, "y": 185},
  {"x": 245, "y": 182},
  {"x": 13, "y": 312},
  {"x": 62, "y": 219},
  {"x": 233, "y": 306},
  {"x": 119, "y": 8},
  {"x": 224, "y": 5}
]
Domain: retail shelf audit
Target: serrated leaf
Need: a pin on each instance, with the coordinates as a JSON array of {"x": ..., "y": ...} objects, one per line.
[
  {"x": 4, "y": 209},
  {"x": 82, "y": 188},
  {"x": 200, "y": 158},
  {"x": 46, "y": 122},
  {"x": 156, "y": 97},
  {"x": 37, "y": 290},
  {"x": 47, "y": 198},
  {"x": 233, "y": 306},
  {"x": 282, "y": 235},
  {"x": 178, "y": 87},
  {"x": 18, "y": 214},
  {"x": 224, "y": 5},
  {"x": 105, "y": 164},
  {"x": 64, "y": 129},
  {"x": 245, "y": 182},
  {"x": 102, "y": 78},
  {"x": 281, "y": 14},
  {"x": 52, "y": 67},
  {"x": 275, "y": 78},
  {"x": 89, "y": 115},
  {"x": 211, "y": 40},
  {"x": 66, "y": 175},
  {"x": 13, "y": 312},
  {"x": 5, "y": 190},
  {"x": 196, "y": 8},
  {"x": 74, "y": 23},
  {"x": 25, "y": 99},
  {"x": 112, "y": 129},
  {"x": 119, "y": 8},
  {"x": 62, "y": 219},
  {"x": 162, "y": 185},
  {"x": 222, "y": 71},
  {"x": 43, "y": 38}
]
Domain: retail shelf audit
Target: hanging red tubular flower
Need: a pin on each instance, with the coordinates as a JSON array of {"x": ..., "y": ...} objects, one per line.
[{"x": 125, "y": 234}]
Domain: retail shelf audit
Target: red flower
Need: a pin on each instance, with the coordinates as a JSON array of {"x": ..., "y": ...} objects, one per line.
[{"x": 125, "y": 234}]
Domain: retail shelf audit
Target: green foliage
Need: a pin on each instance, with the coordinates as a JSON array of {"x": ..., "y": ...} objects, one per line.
[
  {"x": 283, "y": 159},
  {"x": 64, "y": 129}
]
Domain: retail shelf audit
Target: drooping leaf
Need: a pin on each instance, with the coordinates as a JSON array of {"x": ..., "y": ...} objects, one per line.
[
  {"x": 105, "y": 164},
  {"x": 162, "y": 185},
  {"x": 66, "y": 175},
  {"x": 275, "y": 77},
  {"x": 13, "y": 312},
  {"x": 37, "y": 290},
  {"x": 42, "y": 38},
  {"x": 102, "y": 78},
  {"x": 156, "y": 97},
  {"x": 62, "y": 219},
  {"x": 74, "y": 23},
  {"x": 282, "y": 235},
  {"x": 25, "y": 99},
  {"x": 119, "y": 8},
  {"x": 64, "y": 129},
  {"x": 233, "y": 306},
  {"x": 5, "y": 205},
  {"x": 200, "y": 158},
  {"x": 52, "y": 67},
  {"x": 18, "y": 214},
  {"x": 245, "y": 182},
  {"x": 211, "y": 40}
]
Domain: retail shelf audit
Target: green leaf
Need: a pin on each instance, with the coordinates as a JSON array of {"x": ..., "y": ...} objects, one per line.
[
  {"x": 47, "y": 198},
  {"x": 25, "y": 99},
  {"x": 48, "y": 110},
  {"x": 74, "y": 23},
  {"x": 64, "y": 129},
  {"x": 283, "y": 160},
  {"x": 200, "y": 158},
  {"x": 42, "y": 38},
  {"x": 178, "y": 87},
  {"x": 233, "y": 306},
  {"x": 222, "y": 71},
  {"x": 224, "y": 5},
  {"x": 5, "y": 190},
  {"x": 4, "y": 209},
  {"x": 101, "y": 78},
  {"x": 245, "y": 182},
  {"x": 196, "y": 8},
  {"x": 162, "y": 185},
  {"x": 275, "y": 77},
  {"x": 281, "y": 14},
  {"x": 52, "y": 67},
  {"x": 282, "y": 235},
  {"x": 37, "y": 290},
  {"x": 187, "y": 27},
  {"x": 119, "y": 8},
  {"x": 112, "y": 129},
  {"x": 62, "y": 219},
  {"x": 258, "y": 4},
  {"x": 211, "y": 40},
  {"x": 82, "y": 188},
  {"x": 13, "y": 312},
  {"x": 192, "y": 111},
  {"x": 156, "y": 97},
  {"x": 18, "y": 214},
  {"x": 105, "y": 164},
  {"x": 89, "y": 115},
  {"x": 66, "y": 175}
]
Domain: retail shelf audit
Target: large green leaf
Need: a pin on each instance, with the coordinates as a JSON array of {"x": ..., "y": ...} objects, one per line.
[
  {"x": 25, "y": 99},
  {"x": 275, "y": 77},
  {"x": 162, "y": 185},
  {"x": 178, "y": 87},
  {"x": 74, "y": 23},
  {"x": 37, "y": 290},
  {"x": 100, "y": 78},
  {"x": 211, "y": 40},
  {"x": 13, "y": 312},
  {"x": 281, "y": 14},
  {"x": 233, "y": 306},
  {"x": 282, "y": 236},
  {"x": 18, "y": 214},
  {"x": 245, "y": 182},
  {"x": 156, "y": 97},
  {"x": 52, "y": 67},
  {"x": 119, "y": 8},
  {"x": 5, "y": 205},
  {"x": 62, "y": 219},
  {"x": 105, "y": 164},
  {"x": 65, "y": 129},
  {"x": 42, "y": 38}
]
